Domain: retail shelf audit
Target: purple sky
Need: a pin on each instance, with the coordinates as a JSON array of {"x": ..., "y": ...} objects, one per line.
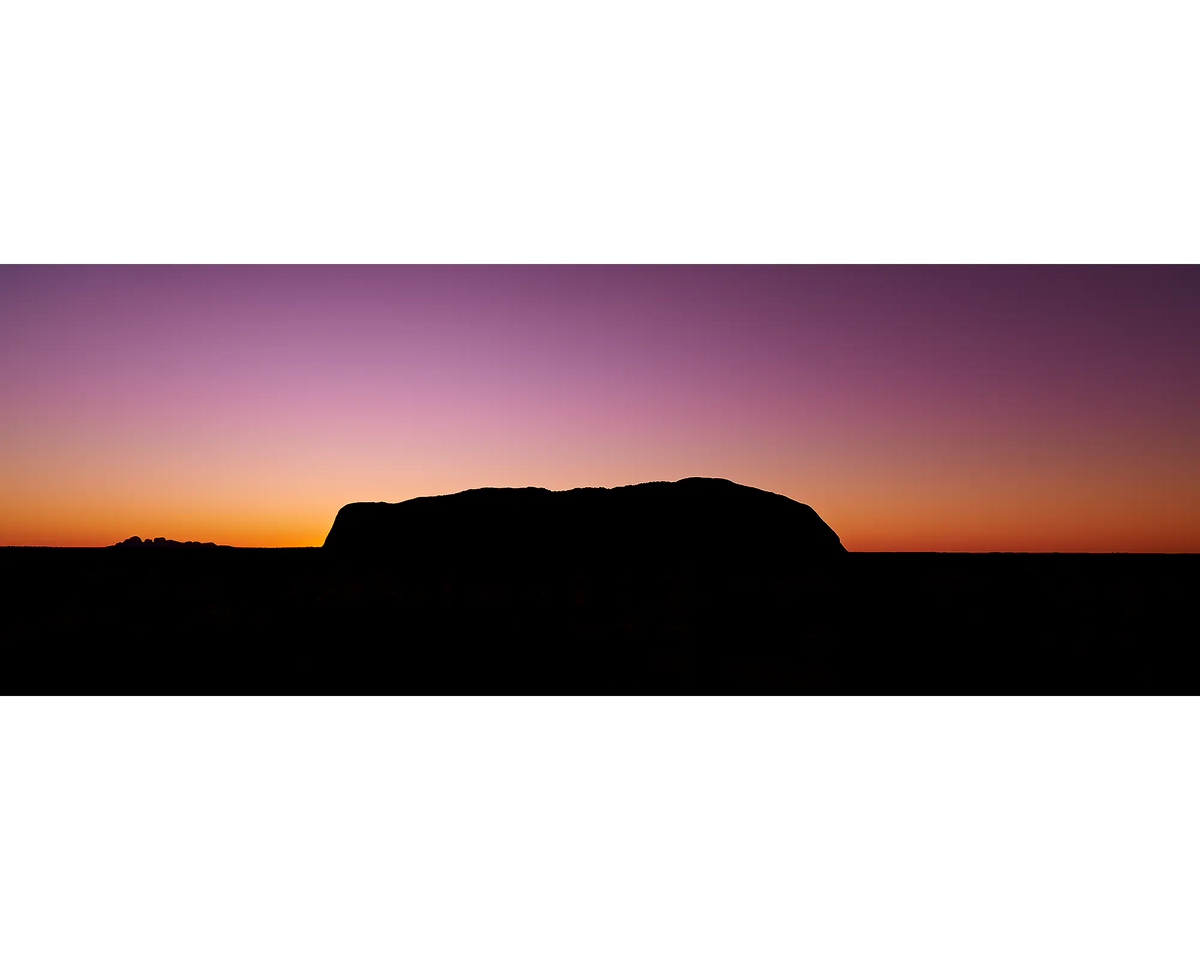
[{"x": 1007, "y": 408}]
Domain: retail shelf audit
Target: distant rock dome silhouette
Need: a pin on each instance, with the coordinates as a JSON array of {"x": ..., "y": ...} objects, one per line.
[
  {"x": 162, "y": 542},
  {"x": 695, "y": 521}
]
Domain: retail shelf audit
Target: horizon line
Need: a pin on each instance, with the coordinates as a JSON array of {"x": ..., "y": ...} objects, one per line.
[{"x": 980, "y": 553}]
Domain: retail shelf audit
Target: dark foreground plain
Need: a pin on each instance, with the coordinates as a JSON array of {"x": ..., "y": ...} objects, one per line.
[{"x": 961, "y": 706}]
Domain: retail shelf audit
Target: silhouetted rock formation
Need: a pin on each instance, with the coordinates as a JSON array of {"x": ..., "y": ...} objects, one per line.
[
  {"x": 162, "y": 542},
  {"x": 695, "y": 522}
]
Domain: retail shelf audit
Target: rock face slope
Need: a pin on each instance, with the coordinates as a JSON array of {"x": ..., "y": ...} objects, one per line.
[{"x": 697, "y": 521}]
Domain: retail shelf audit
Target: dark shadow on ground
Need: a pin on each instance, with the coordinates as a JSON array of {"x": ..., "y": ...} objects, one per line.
[{"x": 879, "y": 700}]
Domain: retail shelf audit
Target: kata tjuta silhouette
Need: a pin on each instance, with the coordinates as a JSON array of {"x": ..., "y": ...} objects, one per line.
[{"x": 162, "y": 542}]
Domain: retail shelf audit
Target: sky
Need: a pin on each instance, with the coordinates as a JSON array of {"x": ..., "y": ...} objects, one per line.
[{"x": 913, "y": 407}]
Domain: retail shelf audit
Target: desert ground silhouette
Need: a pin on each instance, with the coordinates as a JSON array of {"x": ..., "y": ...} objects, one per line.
[{"x": 696, "y": 586}]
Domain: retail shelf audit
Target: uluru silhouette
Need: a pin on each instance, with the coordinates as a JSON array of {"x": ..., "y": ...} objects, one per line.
[{"x": 695, "y": 521}]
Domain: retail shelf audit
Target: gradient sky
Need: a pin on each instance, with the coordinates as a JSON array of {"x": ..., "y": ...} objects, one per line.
[{"x": 915, "y": 408}]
